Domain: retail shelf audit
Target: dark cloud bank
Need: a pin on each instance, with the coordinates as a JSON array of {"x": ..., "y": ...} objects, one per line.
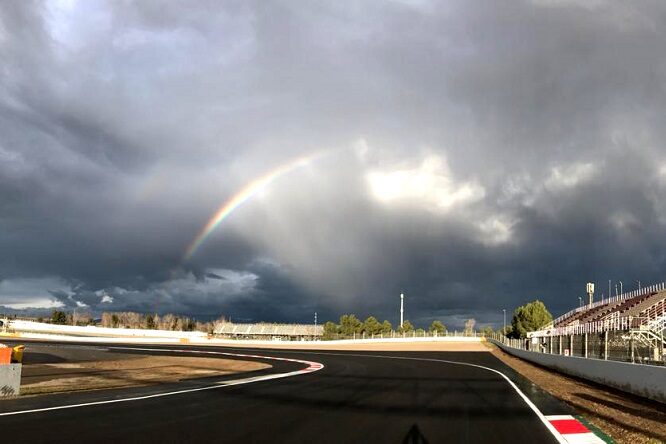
[{"x": 480, "y": 155}]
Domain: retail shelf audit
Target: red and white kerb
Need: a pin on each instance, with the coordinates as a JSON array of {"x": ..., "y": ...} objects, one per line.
[{"x": 572, "y": 430}]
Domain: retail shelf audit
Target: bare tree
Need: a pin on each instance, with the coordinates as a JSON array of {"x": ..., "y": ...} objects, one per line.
[{"x": 81, "y": 318}]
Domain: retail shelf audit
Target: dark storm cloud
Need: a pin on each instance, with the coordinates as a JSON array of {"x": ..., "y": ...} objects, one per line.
[{"x": 480, "y": 155}]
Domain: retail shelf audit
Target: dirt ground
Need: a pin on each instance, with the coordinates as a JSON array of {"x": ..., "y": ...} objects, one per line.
[
  {"x": 127, "y": 372},
  {"x": 623, "y": 417}
]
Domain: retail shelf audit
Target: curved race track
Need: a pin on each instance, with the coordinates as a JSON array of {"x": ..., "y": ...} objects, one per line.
[{"x": 356, "y": 397}]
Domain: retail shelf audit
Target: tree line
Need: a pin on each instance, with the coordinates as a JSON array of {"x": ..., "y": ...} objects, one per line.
[
  {"x": 529, "y": 317},
  {"x": 130, "y": 319},
  {"x": 350, "y": 325}
]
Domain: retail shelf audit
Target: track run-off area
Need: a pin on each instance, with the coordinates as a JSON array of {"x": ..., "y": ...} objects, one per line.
[{"x": 307, "y": 395}]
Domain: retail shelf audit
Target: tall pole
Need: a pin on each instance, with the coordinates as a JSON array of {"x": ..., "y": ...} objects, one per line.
[
  {"x": 504, "y": 312},
  {"x": 402, "y": 309},
  {"x": 610, "y": 294},
  {"x": 621, "y": 290}
]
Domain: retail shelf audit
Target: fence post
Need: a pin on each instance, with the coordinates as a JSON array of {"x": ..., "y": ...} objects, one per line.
[
  {"x": 585, "y": 339},
  {"x": 606, "y": 345},
  {"x": 559, "y": 341}
]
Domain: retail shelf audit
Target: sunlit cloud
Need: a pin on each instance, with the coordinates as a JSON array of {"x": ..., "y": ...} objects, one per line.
[
  {"x": 496, "y": 230},
  {"x": 21, "y": 293},
  {"x": 570, "y": 176},
  {"x": 430, "y": 185}
]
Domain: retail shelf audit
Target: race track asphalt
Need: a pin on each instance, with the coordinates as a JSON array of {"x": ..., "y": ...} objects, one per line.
[{"x": 358, "y": 397}]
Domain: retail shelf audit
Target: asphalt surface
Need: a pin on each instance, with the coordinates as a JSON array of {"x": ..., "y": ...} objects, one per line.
[{"x": 359, "y": 397}]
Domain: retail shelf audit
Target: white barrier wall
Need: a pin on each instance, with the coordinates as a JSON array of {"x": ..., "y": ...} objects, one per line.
[
  {"x": 10, "y": 380},
  {"x": 38, "y": 327},
  {"x": 648, "y": 381}
]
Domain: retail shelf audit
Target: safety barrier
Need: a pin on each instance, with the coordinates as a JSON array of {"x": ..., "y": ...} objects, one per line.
[
  {"x": 643, "y": 380},
  {"x": 10, "y": 370}
]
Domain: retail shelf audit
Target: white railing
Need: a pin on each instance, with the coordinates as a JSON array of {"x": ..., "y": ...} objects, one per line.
[
  {"x": 613, "y": 324},
  {"x": 631, "y": 294},
  {"x": 657, "y": 324},
  {"x": 657, "y": 310}
]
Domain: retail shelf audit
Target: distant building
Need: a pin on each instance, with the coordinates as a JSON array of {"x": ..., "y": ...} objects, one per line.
[{"x": 278, "y": 332}]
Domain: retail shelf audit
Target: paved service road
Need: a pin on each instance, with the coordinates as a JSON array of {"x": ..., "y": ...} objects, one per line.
[{"x": 357, "y": 397}]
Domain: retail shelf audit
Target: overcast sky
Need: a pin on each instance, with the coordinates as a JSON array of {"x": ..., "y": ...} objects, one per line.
[{"x": 475, "y": 155}]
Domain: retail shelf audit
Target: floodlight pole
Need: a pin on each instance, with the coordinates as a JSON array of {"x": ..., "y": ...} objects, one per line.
[
  {"x": 504, "y": 312},
  {"x": 402, "y": 309}
]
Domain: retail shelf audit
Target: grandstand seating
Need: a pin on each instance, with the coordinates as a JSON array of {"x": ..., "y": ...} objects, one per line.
[
  {"x": 268, "y": 331},
  {"x": 638, "y": 307}
]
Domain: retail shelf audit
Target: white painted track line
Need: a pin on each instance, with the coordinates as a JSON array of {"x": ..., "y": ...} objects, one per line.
[{"x": 531, "y": 405}]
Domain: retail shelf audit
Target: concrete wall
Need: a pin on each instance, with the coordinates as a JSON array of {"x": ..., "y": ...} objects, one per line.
[
  {"x": 648, "y": 381},
  {"x": 10, "y": 380}
]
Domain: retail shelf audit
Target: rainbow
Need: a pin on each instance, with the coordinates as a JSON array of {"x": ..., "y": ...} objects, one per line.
[{"x": 243, "y": 196}]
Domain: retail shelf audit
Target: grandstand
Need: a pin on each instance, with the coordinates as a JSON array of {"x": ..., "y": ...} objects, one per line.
[
  {"x": 634, "y": 322},
  {"x": 287, "y": 332}
]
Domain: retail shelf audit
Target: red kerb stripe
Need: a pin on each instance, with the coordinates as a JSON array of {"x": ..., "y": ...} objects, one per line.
[{"x": 567, "y": 426}]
